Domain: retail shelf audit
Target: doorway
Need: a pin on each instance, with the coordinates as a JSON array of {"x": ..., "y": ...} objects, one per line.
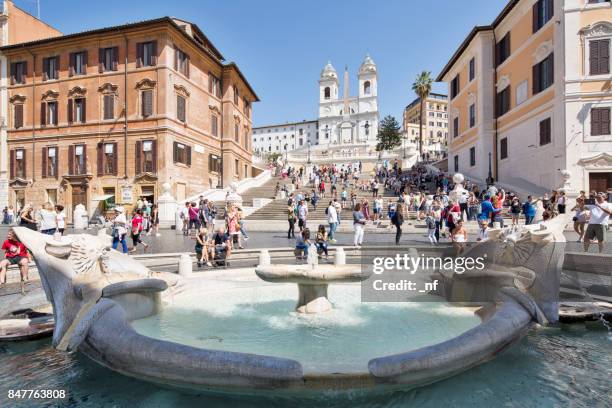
[
  {"x": 600, "y": 182},
  {"x": 79, "y": 196}
]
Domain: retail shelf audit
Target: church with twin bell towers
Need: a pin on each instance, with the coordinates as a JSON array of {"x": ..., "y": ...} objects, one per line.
[{"x": 346, "y": 120}]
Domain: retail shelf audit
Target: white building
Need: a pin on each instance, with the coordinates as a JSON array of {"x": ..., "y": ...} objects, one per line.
[
  {"x": 274, "y": 138},
  {"x": 348, "y": 120}
]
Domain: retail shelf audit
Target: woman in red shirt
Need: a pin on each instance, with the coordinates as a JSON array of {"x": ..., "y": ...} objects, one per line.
[
  {"x": 137, "y": 230},
  {"x": 15, "y": 253}
]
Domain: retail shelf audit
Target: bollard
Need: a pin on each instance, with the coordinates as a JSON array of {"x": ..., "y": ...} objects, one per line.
[
  {"x": 185, "y": 267},
  {"x": 340, "y": 258},
  {"x": 264, "y": 258}
]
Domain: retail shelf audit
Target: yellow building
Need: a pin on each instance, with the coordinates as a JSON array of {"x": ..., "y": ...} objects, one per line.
[
  {"x": 532, "y": 92},
  {"x": 435, "y": 124}
]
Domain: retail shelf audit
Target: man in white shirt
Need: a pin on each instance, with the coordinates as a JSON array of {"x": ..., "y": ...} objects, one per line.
[
  {"x": 483, "y": 231},
  {"x": 332, "y": 220},
  {"x": 598, "y": 222}
]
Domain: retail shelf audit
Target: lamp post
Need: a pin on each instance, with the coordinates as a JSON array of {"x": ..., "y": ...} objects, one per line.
[
  {"x": 404, "y": 140},
  {"x": 309, "y": 152},
  {"x": 490, "y": 179},
  {"x": 286, "y": 145}
]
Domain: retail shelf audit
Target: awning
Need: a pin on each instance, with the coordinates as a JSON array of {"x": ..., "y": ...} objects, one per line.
[{"x": 103, "y": 197}]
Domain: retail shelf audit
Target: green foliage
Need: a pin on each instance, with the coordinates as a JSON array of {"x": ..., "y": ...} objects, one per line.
[
  {"x": 389, "y": 136},
  {"x": 422, "y": 87}
]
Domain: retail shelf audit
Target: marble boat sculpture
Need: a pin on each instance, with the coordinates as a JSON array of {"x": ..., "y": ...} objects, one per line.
[{"x": 96, "y": 292}]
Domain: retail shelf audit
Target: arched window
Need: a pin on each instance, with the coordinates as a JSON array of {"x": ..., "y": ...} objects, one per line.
[
  {"x": 366, "y": 88},
  {"x": 327, "y": 92}
]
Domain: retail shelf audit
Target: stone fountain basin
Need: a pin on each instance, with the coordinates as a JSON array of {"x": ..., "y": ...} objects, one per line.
[
  {"x": 306, "y": 275},
  {"x": 116, "y": 344}
]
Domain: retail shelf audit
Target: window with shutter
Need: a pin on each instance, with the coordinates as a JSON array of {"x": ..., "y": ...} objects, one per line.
[
  {"x": 456, "y": 127},
  {"x": 180, "y": 108},
  {"x": 20, "y": 163},
  {"x": 543, "y": 11},
  {"x": 599, "y": 57},
  {"x": 545, "y": 132},
  {"x": 18, "y": 116},
  {"x": 472, "y": 69},
  {"x": 236, "y": 132},
  {"x": 455, "y": 85},
  {"x": 543, "y": 74},
  {"x": 456, "y": 163},
  {"x": 79, "y": 156},
  {"x": 213, "y": 125},
  {"x": 138, "y": 161},
  {"x": 472, "y": 115},
  {"x": 109, "y": 106},
  {"x": 502, "y": 50},
  {"x": 147, "y": 102},
  {"x": 182, "y": 153},
  {"x": 600, "y": 121},
  {"x": 503, "y": 148},
  {"x": 472, "y": 156},
  {"x": 503, "y": 101}
]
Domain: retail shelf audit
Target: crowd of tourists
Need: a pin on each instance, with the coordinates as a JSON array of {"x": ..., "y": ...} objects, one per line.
[{"x": 48, "y": 219}]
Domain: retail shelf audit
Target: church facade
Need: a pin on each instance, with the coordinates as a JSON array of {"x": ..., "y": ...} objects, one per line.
[{"x": 346, "y": 120}]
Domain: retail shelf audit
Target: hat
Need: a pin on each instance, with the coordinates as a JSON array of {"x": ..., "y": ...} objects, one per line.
[{"x": 119, "y": 209}]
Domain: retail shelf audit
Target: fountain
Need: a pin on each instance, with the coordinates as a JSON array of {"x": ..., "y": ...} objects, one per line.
[
  {"x": 312, "y": 280},
  {"x": 242, "y": 339}
]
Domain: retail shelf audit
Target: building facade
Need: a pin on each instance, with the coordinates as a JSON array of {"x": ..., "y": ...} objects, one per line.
[
  {"x": 109, "y": 115},
  {"x": 348, "y": 120},
  {"x": 278, "y": 139},
  {"x": 11, "y": 19},
  {"x": 435, "y": 124},
  {"x": 530, "y": 94}
]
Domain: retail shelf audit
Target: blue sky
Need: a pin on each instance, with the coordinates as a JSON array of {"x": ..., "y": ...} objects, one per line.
[{"x": 281, "y": 46}]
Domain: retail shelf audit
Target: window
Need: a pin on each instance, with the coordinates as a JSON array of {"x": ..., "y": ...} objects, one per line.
[
  {"x": 502, "y": 50},
  {"x": 214, "y": 126},
  {"x": 237, "y": 132},
  {"x": 247, "y": 107},
  {"x": 472, "y": 115},
  {"x": 109, "y": 106},
  {"x": 543, "y": 11},
  {"x": 181, "y": 62},
  {"x": 19, "y": 71},
  {"x": 48, "y": 113},
  {"x": 600, "y": 121},
  {"x": 107, "y": 158},
  {"x": 182, "y": 154},
  {"x": 214, "y": 85},
  {"x": 214, "y": 163},
  {"x": 456, "y": 160},
  {"x": 146, "y": 102},
  {"x": 146, "y": 54},
  {"x": 366, "y": 88},
  {"x": 180, "y": 108},
  {"x": 78, "y": 63},
  {"x": 327, "y": 93},
  {"x": 599, "y": 57},
  {"x": 455, "y": 86},
  {"x": 18, "y": 163},
  {"x": 50, "y": 68},
  {"x": 236, "y": 96},
  {"x": 18, "y": 116},
  {"x": 77, "y": 159},
  {"x": 237, "y": 167},
  {"x": 503, "y": 101},
  {"x": 146, "y": 156},
  {"x": 77, "y": 110},
  {"x": 472, "y": 156},
  {"x": 456, "y": 127},
  {"x": 472, "y": 69},
  {"x": 503, "y": 148},
  {"x": 108, "y": 59},
  {"x": 49, "y": 162},
  {"x": 543, "y": 74},
  {"x": 545, "y": 132}
]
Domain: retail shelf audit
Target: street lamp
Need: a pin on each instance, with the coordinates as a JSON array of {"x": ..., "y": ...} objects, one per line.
[
  {"x": 404, "y": 140},
  {"x": 490, "y": 179},
  {"x": 309, "y": 152},
  {"x": 286, "y": 145}
]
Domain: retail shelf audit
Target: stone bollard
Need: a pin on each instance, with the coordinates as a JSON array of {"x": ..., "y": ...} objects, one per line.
[
  {"x": 178, "y": 222},
  {"x": 264, "y": 258},
  {"x": 185, "y": 266},
  {"x": 340, "y": 258}
]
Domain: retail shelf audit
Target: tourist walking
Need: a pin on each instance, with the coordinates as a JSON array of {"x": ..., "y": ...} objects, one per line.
[
  {"x": 397, "y": 221},
  {"x": 136, "y": 230},
  {"x": 430, "y": 223},
  {"x": 155, "y": 220},
  {"x": 119, "y": 229},
  {"x": 529, "y": 210},
  {"x": 359, "y": 222},
  {"x": 302, "y": 215},
  {"x": 600, "y": 212},
  {"x": 332, "y": 220},
  {"x": 291, "y": 219},
  {"x": 580, "y": 219},
  {"x": 515, "y": 210},
  {"x": 60, "y": 218},
  {"x": 561, "y": 202},
  {"x": 48, "y": 219},
  {"x": 473, "y": 206}
]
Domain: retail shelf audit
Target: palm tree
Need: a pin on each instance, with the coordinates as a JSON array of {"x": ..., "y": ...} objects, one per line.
[{"x": 422, "y": 87}]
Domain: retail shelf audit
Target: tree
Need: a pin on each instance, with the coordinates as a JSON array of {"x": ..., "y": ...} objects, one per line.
[
  {"x": 389, "y": 136},
  {"x": 422, "y": 87},
  {"x": 273, "y": 157}
]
